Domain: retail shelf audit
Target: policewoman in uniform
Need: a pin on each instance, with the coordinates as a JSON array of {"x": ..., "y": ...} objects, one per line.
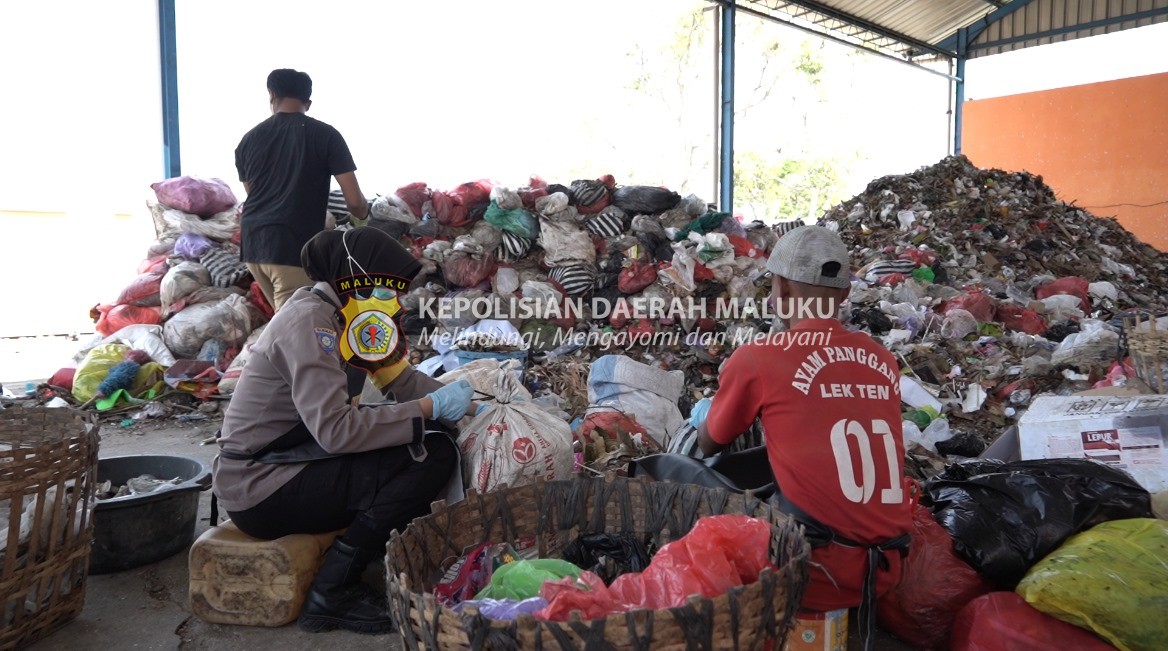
[{"x": 299, "y": 454}]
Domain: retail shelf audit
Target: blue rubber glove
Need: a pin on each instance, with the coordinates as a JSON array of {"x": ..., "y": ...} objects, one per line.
[
  {"x": 700, "y": 410},
  {"x": 481, "y": 409},
  {"x": 452, "y": 400}
]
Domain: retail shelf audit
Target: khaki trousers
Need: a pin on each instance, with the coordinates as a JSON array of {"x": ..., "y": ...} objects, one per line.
[{"x": 278, "y": 281}]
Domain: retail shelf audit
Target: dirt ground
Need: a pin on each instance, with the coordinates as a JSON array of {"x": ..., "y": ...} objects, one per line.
[{"x": 147, "y": 608}]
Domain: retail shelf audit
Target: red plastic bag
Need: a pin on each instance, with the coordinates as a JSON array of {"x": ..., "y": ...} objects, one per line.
[
  {"x": 63, "y": 378},
  {"x": 116, "y": 317},
  {"x": 1003, "y": 621},
  {"x": 919, "y": 257},
  {"x": 191, "y": 194},
  {"x": 608, "y": 424},
  {"x": 536, "y": 189},
  {"x": 892, "y": 280},
  {"x": 448, "y": 210},
  {"x": 1016, "y": 317},
  {"x": 465, "y": 270},
  {"x": 702, "y": 272},
  {"x": 414, "y": 194},
  {"x": 569, "y": 314},
  {"x": 934, "y": 586},
  {"x": 621, "y": 312},
  {"x": 144, "y": 291},
  {"x": 743, "y": 247},
  {"x": 1071, "y": 285},
  {"x": 635, "y": 278},
  {"x": 473, "y": 193},
  {"x": 465, "y": 578},
  {"x": 586, "y": 594},
  {"x": 641, "y": 330},
  {"x": 157, "y": 263},
  {"x": 977, "y": 303},
  {"x": 255, "y": 294},
  {"x": 722, "y": 551}
]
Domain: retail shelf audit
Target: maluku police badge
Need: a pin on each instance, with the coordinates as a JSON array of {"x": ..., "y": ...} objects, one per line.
[{"x": 370, "y": 332}]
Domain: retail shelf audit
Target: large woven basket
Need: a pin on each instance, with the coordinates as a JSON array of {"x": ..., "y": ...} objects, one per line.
[
  {"x": 748, "y": 617},
  {"x": 48, "y": 474},
  {"x": 1148, "y": 346}
]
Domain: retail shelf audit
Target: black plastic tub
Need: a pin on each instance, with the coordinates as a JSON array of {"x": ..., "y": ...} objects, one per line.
[{"x": 137, "y": 530}]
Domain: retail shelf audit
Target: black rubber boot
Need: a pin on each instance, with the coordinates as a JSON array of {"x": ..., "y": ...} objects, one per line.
[{"x": 339, "y": 599}]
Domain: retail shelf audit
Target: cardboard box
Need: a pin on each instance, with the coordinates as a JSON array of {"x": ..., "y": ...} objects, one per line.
[
  {"x": 819, "y": 632},
  {"x": 1129, "y": 432}
]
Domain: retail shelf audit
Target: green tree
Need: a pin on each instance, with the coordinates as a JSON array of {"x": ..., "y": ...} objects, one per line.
[
  {"x": 777, "y": 174},
  {"x": 778, "y": 188}
]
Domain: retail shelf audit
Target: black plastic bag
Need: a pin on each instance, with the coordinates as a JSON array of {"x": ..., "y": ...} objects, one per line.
[
  {"x": 644, "y": 199},
  {"x": 1005, "y": 517},
  {"x": 736, "y": 472},
  {"x": 608, "y": 555},
  {"x": 657, "y": 246}
]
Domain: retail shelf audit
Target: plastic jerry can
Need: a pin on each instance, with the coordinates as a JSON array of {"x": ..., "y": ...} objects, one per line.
[
  {"x": 237, "y": 579},
  {"x": 819, "y": 631}
]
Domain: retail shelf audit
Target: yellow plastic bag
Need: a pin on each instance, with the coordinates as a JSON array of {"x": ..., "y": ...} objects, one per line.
[
  {"x": 1111, "y": 579},
  {"x": 149, "y": 378},
  {"x": 94, "y": 368}
]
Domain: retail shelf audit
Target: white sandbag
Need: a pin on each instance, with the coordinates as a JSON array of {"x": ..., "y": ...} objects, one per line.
[
  {"x": 487, "y": 235},
  {"x": 483, "y": 376},
  {"x": 508, "y": 199},
  {"x": 554, "y": 207},
  {"x": 139, "y": 336},
  {"x": 513, "y": 441},
  {"x": 565, "y": 243},
  {"x": 647, "y": 393},
  {"x": 229, "y": 321},
  {"x": 505, "y": 282},
  {"x": 180, "y": 281},
  {"x": 536, "y": 290},
  {"x": 551, "y": 204},
  {"x": 231, "y": 375},
  {"x": 220, "y": 227},
  {"x": 393, "y": 208}
]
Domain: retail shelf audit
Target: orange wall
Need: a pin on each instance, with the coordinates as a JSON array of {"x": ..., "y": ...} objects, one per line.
[{"x": 1096, "y": 145}]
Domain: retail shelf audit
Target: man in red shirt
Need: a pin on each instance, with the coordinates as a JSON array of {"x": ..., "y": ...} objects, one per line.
[{"x": 829, "y": 403}]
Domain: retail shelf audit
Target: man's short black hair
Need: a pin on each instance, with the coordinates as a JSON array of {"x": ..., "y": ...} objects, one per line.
[{"x": 287, "y": 82}]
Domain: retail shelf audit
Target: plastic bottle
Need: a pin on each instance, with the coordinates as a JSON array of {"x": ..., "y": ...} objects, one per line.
[{"x": 922, "y": 417}]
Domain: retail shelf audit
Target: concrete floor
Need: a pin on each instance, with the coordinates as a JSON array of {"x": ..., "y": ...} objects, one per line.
[{"x": 147, "y": 608}]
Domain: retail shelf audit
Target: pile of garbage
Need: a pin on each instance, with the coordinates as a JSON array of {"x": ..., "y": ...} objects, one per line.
[
  {"x": 992, "y": 291},
  {"x": 178, "y": 328},
  {"x": 570, "y": 276},
  {"x": 989, "y": 290}
]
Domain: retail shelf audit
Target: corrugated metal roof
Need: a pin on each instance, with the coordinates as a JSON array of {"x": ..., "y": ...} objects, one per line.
[
  {"x": 908, "y": 29},
  {"x": 1050, "y": 21},
  {"x": 902, "y": 28}
]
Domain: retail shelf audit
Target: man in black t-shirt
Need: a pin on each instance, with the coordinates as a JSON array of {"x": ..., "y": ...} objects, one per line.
[{"x": 285, "y": 163}]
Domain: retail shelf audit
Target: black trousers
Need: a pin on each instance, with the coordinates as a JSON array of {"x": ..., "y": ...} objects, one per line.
[{"x": 370, "y": 493}]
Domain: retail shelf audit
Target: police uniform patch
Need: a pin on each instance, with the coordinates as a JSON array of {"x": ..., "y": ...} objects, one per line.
[{"x": 327, "y": 339}]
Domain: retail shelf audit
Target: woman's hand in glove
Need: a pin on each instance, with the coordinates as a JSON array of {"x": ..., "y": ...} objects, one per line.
[{"x": 452, "y": 401}]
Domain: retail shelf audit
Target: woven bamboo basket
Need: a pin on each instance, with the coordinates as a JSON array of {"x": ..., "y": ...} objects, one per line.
[
  {"x": 554, "y": 513},
  {"x": 48, "y": 474},
  {"x": 1148, "y": 347}
]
